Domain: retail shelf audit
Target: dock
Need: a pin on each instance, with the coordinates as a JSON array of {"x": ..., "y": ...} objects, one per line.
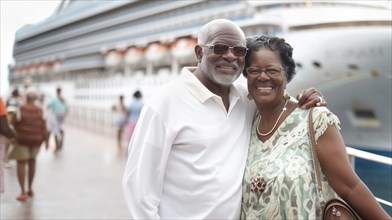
[{"x": 83, "y": 181}]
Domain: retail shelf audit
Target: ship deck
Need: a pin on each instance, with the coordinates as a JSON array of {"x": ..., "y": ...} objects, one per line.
[
  {"x": 84, "y": 180},
  {"x": 81, "y": 182}
]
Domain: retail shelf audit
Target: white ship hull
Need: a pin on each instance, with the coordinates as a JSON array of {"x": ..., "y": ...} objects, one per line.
[{"x": 344, "y": 50}]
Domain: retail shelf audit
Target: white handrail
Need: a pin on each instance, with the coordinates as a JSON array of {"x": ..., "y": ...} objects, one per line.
[
  {"x": 368, "y": 156},
  {"x": 385, "y": 202},
  {"x": 352, "y": 152}
]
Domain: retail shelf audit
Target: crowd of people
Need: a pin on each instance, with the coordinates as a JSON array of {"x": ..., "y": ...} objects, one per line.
[{"x": 27, "y": 123}]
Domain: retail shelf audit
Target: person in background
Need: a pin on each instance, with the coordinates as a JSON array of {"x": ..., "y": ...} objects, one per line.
[
  {"x": 5, "y": 130},
  {"x": 279, "y": 180},
  {"x": 134, "y": 110},
  {"x": 56, "y": 115},
  {"x": 187, "y": 155},
  {"x": 121, "y": 118},
  {"x": 31, "y": 132},
  {"x": 12, "y": 104},
  {"x": 41, "y": 100}
]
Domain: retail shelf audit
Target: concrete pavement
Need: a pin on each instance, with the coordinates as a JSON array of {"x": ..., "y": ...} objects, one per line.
[{"x": 81, "y": 182}]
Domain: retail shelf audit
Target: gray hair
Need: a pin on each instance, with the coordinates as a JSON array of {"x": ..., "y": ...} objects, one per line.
[
  {"x": 31, "y": 94},
  {"x": 208, "y": 28}
]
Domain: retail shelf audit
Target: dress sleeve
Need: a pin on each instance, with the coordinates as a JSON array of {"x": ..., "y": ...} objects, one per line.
[
  {"x": 143, "y": 177},
  {"x": 322, "y": 118}
]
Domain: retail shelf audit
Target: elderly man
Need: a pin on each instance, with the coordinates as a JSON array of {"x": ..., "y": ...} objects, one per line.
[{"x": 187, "y": 155}]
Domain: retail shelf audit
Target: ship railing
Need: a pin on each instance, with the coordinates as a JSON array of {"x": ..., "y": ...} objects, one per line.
[
  {"x": 103, "y": 121},
  {"x": 93, "y": 119},
  {"x": 355, "y": 153}
]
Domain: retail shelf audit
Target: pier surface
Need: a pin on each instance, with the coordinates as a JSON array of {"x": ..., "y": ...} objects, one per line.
[{"x": 83, "y": 181}]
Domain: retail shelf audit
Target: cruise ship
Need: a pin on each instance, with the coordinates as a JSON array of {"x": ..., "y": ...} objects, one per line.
[{"x": 97, "y": 50}]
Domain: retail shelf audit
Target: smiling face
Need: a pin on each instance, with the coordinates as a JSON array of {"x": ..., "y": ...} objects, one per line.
[
  {"x": 224, "y": 69},
  {"x": 263, "y": 87}
]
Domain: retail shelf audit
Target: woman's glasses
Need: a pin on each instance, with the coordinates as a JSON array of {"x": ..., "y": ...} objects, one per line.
[
  {"x": 221, "y": 49},
  {"x": 270, "y": 71}
]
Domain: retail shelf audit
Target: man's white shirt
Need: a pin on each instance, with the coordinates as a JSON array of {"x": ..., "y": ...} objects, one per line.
[{"x": 187, "y": 154}]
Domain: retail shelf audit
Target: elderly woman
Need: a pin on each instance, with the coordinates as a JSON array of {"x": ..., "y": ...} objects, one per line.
[
  {"x": 31, "y": 131},
  {"x": 279, "y": 180}
]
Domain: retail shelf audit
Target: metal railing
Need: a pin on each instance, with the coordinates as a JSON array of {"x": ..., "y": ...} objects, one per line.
[
  {"x": 102, "y": 121},
  {"x": 93, "y": 119},
  {"x": 355, "y": 153}
]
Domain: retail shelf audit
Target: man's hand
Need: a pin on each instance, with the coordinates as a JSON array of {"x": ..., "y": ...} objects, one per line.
[{"x": 310, "y": 97}]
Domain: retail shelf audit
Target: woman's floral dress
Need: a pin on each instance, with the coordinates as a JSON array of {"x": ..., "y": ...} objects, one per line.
[{"x": 284, "y": 162}]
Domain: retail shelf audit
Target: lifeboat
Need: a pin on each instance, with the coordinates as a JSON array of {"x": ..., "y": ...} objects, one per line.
[
  {"x": 184, "y": 51},
  {"x": 158, "y": 54},
  {"x": 134, "y": 56},
  {"x": 57, "y": 65},
  {"x": 113, "y": 58},
  {"x": 42, "y": 68},
  {"x": 32, "y": 69},
  {"x": 23, "y": 70},
  {"x": 19, "y": 70}
]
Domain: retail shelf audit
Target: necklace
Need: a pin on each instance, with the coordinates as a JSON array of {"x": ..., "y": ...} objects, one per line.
[{"x": 259, "y": 119}]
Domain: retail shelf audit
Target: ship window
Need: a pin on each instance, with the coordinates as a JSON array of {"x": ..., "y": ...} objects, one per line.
[
  {"x": 353, "y": 67},
  {"x": 317, "y": 64},
  {"x": 364, "y": 118},
  {"x": 364, "y": 113}
]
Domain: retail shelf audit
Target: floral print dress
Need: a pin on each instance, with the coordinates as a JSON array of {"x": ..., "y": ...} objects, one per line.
[{"x": 284, "y": 162}]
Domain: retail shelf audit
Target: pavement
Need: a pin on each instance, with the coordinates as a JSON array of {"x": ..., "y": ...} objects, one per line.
[{"x": 83, "y": 181}]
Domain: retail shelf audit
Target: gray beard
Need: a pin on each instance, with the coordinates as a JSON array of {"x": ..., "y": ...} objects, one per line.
[{"x": 223, "y": 79}]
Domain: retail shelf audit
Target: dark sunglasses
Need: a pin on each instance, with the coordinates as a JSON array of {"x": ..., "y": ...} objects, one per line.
[{"x": 221, "y": 49}]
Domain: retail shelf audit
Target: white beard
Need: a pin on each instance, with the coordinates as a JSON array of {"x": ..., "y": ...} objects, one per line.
[{"x": 224, "y": 80}]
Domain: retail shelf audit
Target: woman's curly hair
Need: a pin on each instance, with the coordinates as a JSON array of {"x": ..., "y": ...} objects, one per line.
[{"x": 273, "y": 43}]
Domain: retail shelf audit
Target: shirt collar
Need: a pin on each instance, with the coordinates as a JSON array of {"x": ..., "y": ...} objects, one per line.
[{"x": 197, "y": 89}]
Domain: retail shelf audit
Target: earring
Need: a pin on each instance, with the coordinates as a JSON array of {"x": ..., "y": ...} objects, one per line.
[
  {"x": 286, "y": 95},
  {"x": 250, "y": 97}
]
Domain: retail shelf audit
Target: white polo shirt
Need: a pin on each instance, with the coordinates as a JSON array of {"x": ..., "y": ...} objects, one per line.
[{"x": 187, "y": 154}]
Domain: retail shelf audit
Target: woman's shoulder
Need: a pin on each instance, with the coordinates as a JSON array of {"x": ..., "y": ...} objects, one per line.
[
  {"x": 32, "y": 108},
  {"x": 29, "y": 112},
  {"x": 322, "y": 119},
  {"x": 321, "y": 109},
  {"x": 323, "y": 112}
]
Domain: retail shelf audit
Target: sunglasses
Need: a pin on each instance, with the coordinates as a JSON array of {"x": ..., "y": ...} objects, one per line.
[{"x": 221, "y": 49}]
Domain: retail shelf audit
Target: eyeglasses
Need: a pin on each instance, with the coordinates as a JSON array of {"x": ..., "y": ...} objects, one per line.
[
  {"x": 270, "y": 71},
  {"x": 221, "y": 49}
]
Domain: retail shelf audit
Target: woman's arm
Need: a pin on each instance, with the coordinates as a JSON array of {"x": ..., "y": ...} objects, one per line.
[{"x": 335, "y": 164}]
